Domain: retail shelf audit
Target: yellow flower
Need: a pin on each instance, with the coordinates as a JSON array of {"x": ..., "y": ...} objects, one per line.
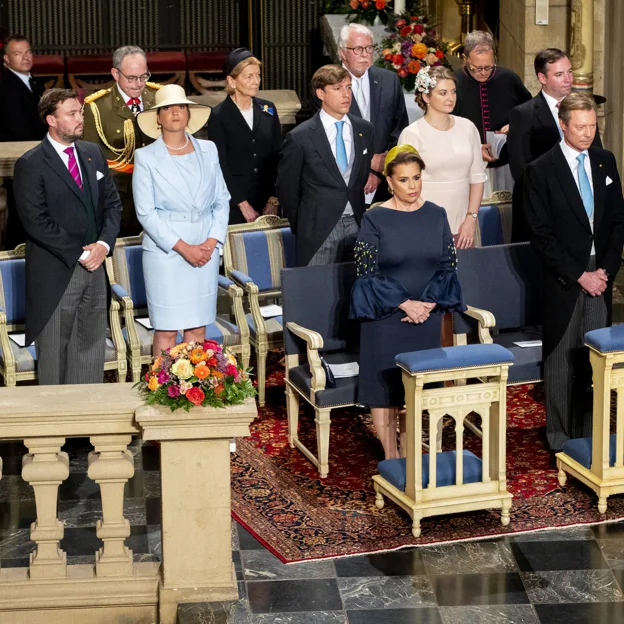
[
  {"x": 175, "y": 351},
  {"x": 231, "y": 359},
  {"x": 153, "y": 384},
  {"x": 182, "y": 369}
]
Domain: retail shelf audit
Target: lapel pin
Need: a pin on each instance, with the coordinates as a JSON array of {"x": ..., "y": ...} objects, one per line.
[
  {"x": 600, "y": 165},
  {"x": 360, "y": 134}
]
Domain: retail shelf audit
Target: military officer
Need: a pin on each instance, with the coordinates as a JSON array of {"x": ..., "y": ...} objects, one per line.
[{"x": 110, "y": 121}]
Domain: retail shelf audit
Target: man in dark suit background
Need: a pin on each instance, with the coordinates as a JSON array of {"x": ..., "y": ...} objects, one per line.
[
  {"x": 377, "y": 97},
  {"x": 534, "y": 127},
  {"x": 575, "y": 212},
  {"x": 19, "y": 117},
  {"x": 324, "y": 166},
  {"x": 70, "y": 208}
]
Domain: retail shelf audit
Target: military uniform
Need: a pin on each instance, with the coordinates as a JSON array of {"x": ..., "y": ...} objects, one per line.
[{"x": 109, "y": 122}]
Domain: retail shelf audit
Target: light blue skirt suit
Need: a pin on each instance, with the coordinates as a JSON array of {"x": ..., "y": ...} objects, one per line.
[{"x": 180, "y": 197}]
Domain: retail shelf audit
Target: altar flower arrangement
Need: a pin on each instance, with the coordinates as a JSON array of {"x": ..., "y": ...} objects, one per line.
[
  {"x": 411, "y": 45},
  {"x": 368, "y": 10},
  {"x": 196, "y": 373}
]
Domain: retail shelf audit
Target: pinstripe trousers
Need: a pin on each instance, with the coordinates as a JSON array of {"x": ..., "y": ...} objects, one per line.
[
  {"x": 71, "y": 347},
  {"x": 338, "y": 246},
  {"x": 567, "y": 374}
]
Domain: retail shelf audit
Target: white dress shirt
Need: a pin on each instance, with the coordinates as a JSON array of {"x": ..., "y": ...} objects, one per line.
[
  {"x": 125, "y": 97},
  {"x": 25, "y": 78},
  {"x": 571, "y": 155},
  {"x": 361, "y": 92},
  {"x": 59, "y": 148},
  {"x": 554, "y": 110},
  {"x": 329, "y": 125}
]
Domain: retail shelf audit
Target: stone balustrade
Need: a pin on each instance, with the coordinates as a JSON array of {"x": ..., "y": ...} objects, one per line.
[{"x": 196, "y": 551}]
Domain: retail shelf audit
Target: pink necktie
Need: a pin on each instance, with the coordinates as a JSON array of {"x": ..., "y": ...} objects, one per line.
[{"x": 72, "y": 165}]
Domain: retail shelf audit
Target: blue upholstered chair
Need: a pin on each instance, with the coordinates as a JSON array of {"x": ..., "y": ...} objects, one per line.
[
  {"x": 125, "y": 270},
  {"x": 495, "y": 219},
  {"x": 254, "y": 255},
  {"x": 502, "y": 288},
  {"x": 598, "y": 462},
  {"x": 20, "y": 363},
  {"x": 435, "y": 483},
  {"x": 317, "y": 324}
]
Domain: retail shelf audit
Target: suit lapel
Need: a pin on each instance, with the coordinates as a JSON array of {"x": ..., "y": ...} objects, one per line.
[
  {"x": 123, "y": 110},
  {"x": 358, "y": 141},
  {"x": 321, "y": 143},
  {"x": 58, "y": 166},
  {"x": 88, "y": 169},
  {"x": 375, "y": 95},
  {"x": 257, "y": 115},
  {"x": 568, "y": 184},
  {"x": 544, "y": 115},
  {"x": 599, "y": 181},
  {"x": 167, "y": 168}
]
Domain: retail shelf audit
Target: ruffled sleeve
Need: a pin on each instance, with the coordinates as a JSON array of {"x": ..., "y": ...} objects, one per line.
[
  {"x": 373, "y": 296},
  {"x": 443, "y": 288}
]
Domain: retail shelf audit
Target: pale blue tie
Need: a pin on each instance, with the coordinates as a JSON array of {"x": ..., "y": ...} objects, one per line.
[
  {"x": 585, "y": 187},
  {"x": 341, "y": 151}
]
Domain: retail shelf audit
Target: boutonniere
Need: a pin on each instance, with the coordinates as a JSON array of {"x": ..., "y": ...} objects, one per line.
[{"x": 267, "y": 109}]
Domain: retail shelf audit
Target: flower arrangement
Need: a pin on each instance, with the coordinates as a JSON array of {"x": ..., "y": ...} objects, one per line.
[
  {"x": 368, "y": 10},
  {"x": 196, "y": 373},
  {"x": 412, "y": 45}
]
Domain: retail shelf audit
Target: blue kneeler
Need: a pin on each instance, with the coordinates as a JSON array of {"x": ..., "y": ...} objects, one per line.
[
  {"x": 456, "y": 480},
  {"x": 598, "y": 461}
]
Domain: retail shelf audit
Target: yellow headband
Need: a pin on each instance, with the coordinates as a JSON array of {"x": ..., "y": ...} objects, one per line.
[{"x": 394, "y": 152}]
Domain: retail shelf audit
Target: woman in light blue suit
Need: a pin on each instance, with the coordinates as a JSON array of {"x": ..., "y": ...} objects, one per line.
[{"x": 183, "y": 204}]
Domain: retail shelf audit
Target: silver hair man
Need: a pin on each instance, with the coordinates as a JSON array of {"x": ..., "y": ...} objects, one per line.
[
  {"x": 478, "y": 41},
  {"x": 121, "y": 53}
]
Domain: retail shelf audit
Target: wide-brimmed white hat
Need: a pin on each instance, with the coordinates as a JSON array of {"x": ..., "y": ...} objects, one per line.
[{"x": 172, "y": 95}]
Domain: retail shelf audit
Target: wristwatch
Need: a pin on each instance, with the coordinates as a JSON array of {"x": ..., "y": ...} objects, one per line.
[{"x": 474, "y": 215}]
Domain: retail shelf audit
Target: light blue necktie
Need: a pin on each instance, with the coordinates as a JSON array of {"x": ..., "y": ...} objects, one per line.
[
  {"x": 586, "y": 191},
  {"x": 341, "y": 151}
]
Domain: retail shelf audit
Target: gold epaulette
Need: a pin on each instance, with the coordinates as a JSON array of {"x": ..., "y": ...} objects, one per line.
[
  {"x": 153, "y": 85},
  {"x": 96, "y": 96}
]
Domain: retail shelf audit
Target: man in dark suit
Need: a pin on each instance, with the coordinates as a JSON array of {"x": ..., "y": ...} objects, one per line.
[
  {"x": 67, "y": 201},
  {"x": 534, "y": 127},
  {"x": 19, "y": 117},
  {"x": 575, "y": 212},
  {"x": 377, "y": 97},
  {"x": 324, "y": 166}
]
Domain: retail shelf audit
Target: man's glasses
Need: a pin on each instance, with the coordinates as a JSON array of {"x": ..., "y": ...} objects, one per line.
[
  {"x": 481, "y": 70},
  {"x": 359, "y": 50},
  {"x": 135, "y": 79}
]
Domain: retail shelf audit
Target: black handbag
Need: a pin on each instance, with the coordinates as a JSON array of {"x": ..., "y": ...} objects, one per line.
[{"x": 330, "y": 382}]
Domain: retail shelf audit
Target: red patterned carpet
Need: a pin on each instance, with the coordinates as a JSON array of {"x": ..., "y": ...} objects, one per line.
[{"x": 278, "y": 496}]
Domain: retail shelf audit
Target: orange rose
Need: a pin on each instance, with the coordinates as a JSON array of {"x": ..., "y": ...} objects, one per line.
[
  {"x": 153, "y": 384},
  {"x": 419, "y": 50},
  {"x": 201, "y": 371},
  {"x": 354, "y": 4},
  {"x": 195, "y": 395},
  {"x": 157, "y": 363},
  {"x": 380, "y": 5},
  {"x": 198, "y": 355},
  {"x": 413, "y": 67},
  {"x": 219, "y": 389}
]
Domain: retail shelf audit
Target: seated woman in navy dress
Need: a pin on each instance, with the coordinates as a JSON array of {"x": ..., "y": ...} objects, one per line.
[{"x": 405, "y": 259}]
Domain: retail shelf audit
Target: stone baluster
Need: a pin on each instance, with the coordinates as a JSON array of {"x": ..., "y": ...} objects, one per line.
[
  {"x": 45, "y": 468},
  {"x": 111, "y": 465}
]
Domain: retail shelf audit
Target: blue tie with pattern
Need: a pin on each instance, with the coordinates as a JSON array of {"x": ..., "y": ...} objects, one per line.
[
  {"x": 341, "y": 151},
  {"x": 585, "y": 187}
]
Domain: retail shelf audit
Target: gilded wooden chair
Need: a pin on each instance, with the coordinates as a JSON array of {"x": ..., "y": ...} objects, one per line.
[
  {"x": 254, "y": 255},
  {"x": 20, "y": 363},
  {"x": 438, "y": 483},
  {"x": 125, "y": 270}
]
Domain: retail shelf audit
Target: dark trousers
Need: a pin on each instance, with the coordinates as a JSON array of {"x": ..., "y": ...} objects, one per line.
[
  {"x": 338, "y": 246},
  {"x": 71, "y": 347},
  {"x": 567, "y": 374}
]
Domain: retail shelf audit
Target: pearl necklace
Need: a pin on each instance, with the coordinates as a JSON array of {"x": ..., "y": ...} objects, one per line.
[{"x": 177, "y": 149}]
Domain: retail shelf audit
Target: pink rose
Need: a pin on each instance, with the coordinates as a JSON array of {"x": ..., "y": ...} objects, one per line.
[{"x": 173, "y": 391}]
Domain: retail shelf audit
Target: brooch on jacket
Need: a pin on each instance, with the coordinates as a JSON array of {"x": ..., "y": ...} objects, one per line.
[{"x": 267, "y": 109}]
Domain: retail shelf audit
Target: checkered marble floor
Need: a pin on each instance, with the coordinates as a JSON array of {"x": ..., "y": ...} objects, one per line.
[{"x": 572, "y": 576}]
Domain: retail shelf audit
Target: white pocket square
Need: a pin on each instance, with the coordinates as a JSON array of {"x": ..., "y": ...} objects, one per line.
[
  {"x": 99, "y": 175},
  {"x": 609, "y": 181},
  {"x": 365, "y": 151}
]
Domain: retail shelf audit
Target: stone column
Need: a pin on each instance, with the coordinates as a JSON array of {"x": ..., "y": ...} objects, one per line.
[
  {"x": 582, "y": 44},
  {"x": 196, "y": 521},
  {"x": 45, "y": 468},
  {"x": 111, "y": 465}
]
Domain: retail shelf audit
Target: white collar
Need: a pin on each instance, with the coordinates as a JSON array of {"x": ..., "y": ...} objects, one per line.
[
  {"x": 570, "y": 153},
  {"x": 23, "y": 77},
  {"x": 550, "y": 100},
  {"x": 59, "y": 147},
  {"x": 330, "y": 122},
  {"x": 363, "y": 77},
  {"x": 125, "y": 97}
]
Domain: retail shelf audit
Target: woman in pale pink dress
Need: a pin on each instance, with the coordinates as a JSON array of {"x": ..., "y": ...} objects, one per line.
[{"x": 451, "y": 147}]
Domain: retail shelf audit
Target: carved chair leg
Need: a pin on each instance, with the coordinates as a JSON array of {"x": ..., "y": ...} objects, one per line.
[
  {"x": 262, "y": 359},
  {"x": 322, "y": 420},
  {"x": 292, "y": 407}
]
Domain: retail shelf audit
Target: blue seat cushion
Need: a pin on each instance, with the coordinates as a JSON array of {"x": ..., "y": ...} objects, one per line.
[
  {"x": 345, "y": 392},
  {"x": 394, "y": 470},
  {"x": 453, "y": 357},
  {"x": 490, "y": 226},
  {"x": 274, "y": 327},
  {"x": 13, "y": 290},
  {"x": 527, "y": 364},
  {"x": 580, "y": 450},
  {"x": 607, "y": 339}
]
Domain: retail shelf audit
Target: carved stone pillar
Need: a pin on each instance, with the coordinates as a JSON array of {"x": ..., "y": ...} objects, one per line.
[
  {"x": 467, "y": 10},
  {"x": 45, "y": 468},
  {"x": 111, "y": 465},
  {"x": 582, "y": 44}
]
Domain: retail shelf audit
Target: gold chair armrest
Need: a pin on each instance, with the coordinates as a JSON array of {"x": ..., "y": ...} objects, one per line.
[
  {"x": 9, "y": 359},
  {"x": 115, "y": 327},
  {"x": 314, "y": 342},
  {"x": 485, "y": 319},
  {"x": 236, "y": 295},
  {"x": 254, "y": 308}
]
